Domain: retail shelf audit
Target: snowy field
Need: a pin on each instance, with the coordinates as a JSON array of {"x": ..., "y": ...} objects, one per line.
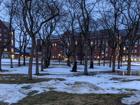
[{"x": 100, "y": 83}]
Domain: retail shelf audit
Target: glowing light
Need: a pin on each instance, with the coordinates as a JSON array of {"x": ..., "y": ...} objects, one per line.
[
  {"x": 135, "y": 59},
  {"x": 124, "y": 48},
  {"x": 76, "y": 42},
  {"x": 65, "y": 59},
  {"x": 13, "y": 56},
  {"x": 59, "y": 55},
  {"x": 91, "y": 43}
]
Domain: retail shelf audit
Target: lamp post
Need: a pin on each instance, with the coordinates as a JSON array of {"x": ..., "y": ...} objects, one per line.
[
  {"x": 124, "y": 49},
  {"x": 76, "y": 43},
  {"x": 91, "y": 56},
  {"x": 59, "y": 55},
  {"x": 68, "y": 54}
]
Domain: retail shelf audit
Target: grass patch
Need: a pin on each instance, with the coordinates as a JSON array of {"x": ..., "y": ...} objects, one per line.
[
  {"x": 1, "y": 103},
  {"x": 61, "y": 98},
  {"x": 21, "y": 78},
  {"x": 124, "y": 79}
]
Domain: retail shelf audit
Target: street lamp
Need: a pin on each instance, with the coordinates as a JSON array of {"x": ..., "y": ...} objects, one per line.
[
  {"x": 124, "y": 48},
  {"x": 76, "y": 42},
  {"x": 59, "y": 55},
  {"x": 13, "y": 56},
  {"x": 91, "y": 43},
  {"x": 68, "y": 44}
]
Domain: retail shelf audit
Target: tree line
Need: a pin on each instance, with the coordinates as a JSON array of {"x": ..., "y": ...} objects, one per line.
[{"x": 40, "y": 19}]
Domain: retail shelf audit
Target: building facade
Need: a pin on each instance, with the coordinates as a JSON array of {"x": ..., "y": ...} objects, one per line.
[
  {"x": 99, "y": 47},
  {"x": 7, "y": 39}
]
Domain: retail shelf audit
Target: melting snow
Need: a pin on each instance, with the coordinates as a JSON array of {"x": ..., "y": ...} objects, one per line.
[{"x": 72, "y": 83}]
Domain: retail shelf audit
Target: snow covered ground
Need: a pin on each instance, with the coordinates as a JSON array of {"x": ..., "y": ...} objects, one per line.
[{"x": 73, "y": 83}]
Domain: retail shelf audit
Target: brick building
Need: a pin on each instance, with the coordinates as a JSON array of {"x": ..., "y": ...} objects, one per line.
[
  {"x": 56, "y": 50},
  {"x": 7, "y": 39},
  {"x": 96, "y": 41},
  {"x": 99, "y": 42}
]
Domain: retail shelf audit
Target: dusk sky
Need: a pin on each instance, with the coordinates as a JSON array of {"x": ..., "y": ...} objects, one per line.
[{"x": 3, "y": 13}]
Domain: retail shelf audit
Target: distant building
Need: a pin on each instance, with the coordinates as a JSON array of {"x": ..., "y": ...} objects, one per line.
[
  {"x": 101, "y": 49},
  {"x": 7, "y": 39},
  {"x": 99, "y": 41},
  {"x": 57, "y": 51}
]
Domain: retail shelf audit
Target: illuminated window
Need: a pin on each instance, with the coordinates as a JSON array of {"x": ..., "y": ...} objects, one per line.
[
  {"x": 12, "y": 50},
  {"x": 5, "y": 49},
  {"x": 54, "y": 44}
]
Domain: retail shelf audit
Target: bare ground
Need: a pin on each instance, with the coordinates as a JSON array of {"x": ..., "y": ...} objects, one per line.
[
  {"x": 21, "y": 78},
  {"x": 61, "y": 98}
]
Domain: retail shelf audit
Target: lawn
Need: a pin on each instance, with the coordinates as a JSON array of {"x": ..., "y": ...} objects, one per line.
[
  {"x": 61, "y": 98},
  {"x": 56, "y": 85}
]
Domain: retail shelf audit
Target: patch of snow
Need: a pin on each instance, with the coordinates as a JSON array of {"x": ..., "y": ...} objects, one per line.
[
  {"x": 133, "y": 99},
  {"x": 10, "y": 94},
  {"x": 72, "y": 83}
]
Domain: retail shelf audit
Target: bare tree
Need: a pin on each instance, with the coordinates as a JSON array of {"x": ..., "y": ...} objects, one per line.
[
  {"x": 4, "y": 43},
  {"x": 84, "y": 14},
  {"x": 66, "y": 41},
  {"x": 22, "y": 39},
  {"x": 34, "y": 13},
  {"x": 131, "y": 20},
  {"x": 94, "y": 26},
  {"x": 111, "y": 22},
  {"x": 11, "y": 5},
  {"x": 46, "y": 36}
]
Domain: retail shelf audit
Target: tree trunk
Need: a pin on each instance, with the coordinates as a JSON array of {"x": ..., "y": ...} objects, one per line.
[
  {"x": 86, "y": 59},
  {"x": 42, "y": 59},
  {"x": 129, "y": 63},
  {"x": 91, "y": 60},
  {"x": 91, "y": 64},
  {"x": 104, "y": 60},
  {"x": 46, "y": 63},
  {"x": 99, "y": 61},
  {"x": 68, "y": 61},
  {"x": 24, "y": 56},
  {"x": 31, "y": 59},
  {"x": 81, "y": 62},
  {"x": 37, "y": 61},
  {"x": 19, "y": 63},
  {"x": 42, "y": 69},
  {"x": 0, "y": 62},
  {"x": 110, "y": 61},
  {"x": 11, "y": 60},
  {"x": 81, "y": 54},
  {"x": 119, "y": 61},
  {"x": 74, "y": 68},
  {"x": 47, "y": 55},
  {"x": 113, "y": 61}
]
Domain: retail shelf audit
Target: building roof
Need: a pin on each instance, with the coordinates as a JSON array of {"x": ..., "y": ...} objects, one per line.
[{"x": 6, "y": 24}]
